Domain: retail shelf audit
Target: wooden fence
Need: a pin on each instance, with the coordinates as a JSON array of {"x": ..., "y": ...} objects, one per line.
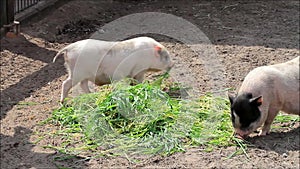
[
  {"x": 9, "y": 8},
  {"x": 21, "y": 5}
]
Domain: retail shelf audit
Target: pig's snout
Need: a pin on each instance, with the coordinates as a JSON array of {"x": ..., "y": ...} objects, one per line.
[
  {"x": 241, "y": 134},
  {"x": 239, "y": 137},
  {"x": 242, "y": 137}
]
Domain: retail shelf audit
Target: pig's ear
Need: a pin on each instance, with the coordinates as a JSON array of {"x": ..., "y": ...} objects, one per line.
[
  {"x": 257, "y": 100},
  {"x": 157, "y": 50},
  {"x": 231, "y": 98}
]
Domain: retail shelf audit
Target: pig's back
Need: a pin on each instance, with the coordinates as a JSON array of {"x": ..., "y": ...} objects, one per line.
[{"x": 259, "y": 80}]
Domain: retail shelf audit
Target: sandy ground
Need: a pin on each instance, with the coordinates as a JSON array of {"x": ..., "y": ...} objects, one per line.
[{"x": 243, "y": 34}]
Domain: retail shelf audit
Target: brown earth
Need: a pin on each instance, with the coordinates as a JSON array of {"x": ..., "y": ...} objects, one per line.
[{"x": 245, "y": 34}]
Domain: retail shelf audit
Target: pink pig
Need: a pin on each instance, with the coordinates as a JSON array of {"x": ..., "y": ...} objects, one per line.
[
  {"x": 103, "y": 62},
  {"x": 264, "y": 92}
]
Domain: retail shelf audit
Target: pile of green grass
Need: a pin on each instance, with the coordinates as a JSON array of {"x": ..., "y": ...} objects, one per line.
[
  {"x": 124, "y": 120},
  {"x": 142, "y": 119}
]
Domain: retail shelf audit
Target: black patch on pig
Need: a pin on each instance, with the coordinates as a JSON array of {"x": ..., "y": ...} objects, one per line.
[{"x": 246, "y": 107}]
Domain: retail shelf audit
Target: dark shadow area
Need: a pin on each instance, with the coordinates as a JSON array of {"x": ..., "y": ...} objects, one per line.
[
  {"x": 280, "y": 142},
  {"x": 19, "y": 143},
  {"x": 21, "y": 46},
  {"x": 272, "y": 24},
  {"x": 17, "y": 92}
]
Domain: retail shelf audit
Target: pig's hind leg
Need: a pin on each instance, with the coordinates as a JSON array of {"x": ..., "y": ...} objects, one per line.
[{"x": 66, "y": 86}]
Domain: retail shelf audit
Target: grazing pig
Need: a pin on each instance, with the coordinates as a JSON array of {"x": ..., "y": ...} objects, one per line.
[
  {"x": 102, "y": 62},
  {"x": 264, "y": 92}
]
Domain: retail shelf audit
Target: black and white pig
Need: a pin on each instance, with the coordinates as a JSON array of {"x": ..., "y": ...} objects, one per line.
[
  {"x": 264, "y": 92},
  {"x": 103, "y": 62}
]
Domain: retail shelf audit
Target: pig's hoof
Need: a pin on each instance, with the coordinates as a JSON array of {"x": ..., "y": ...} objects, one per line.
[{"x": 62, "y": 103}]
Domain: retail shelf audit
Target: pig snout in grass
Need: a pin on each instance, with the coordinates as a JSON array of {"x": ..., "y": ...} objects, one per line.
[
  {"x": 103, "y": 62},
  {"x": 264, "y": 92}
]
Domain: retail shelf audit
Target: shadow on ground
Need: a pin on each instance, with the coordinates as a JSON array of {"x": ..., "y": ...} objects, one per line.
[
  {"x": 17, "y": 92},
  {"x": 280, "y": 142},
  {"x": 19, "y": 142}
]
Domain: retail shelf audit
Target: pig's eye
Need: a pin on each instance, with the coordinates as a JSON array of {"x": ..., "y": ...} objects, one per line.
[
  {"x": 232, "y": 117},
  {"x": 164, "y": 58},
  {"x": 235, "y": 119}
]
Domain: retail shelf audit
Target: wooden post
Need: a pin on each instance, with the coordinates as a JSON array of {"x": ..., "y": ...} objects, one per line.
[
  {"x": 3, "y": 8},
  {"x": 10, "y": 11},
  {"x": 10, "y": 27},
  {"x": 3, "y": 17}
]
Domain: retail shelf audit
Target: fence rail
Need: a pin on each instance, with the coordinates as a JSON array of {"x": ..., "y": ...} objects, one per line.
[{"x": 21, "y": 5}]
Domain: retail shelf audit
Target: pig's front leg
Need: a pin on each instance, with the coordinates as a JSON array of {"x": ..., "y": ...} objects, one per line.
[
  {"x": 267, "y": 125},
  {"x": 139, "y": 77},
  {"x": 85, "y": 86}
]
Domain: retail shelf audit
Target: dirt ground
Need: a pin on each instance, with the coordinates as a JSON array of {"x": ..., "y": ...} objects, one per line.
[{"x": 245, "y": 34}]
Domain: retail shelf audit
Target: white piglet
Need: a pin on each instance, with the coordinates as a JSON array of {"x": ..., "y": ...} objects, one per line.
[
  {"x": 103, "y": 62},
  {"x": 264, "y": 92}
]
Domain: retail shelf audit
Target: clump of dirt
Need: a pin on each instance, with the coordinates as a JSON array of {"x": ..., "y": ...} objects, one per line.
[{"x": 79, "y": 28}]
